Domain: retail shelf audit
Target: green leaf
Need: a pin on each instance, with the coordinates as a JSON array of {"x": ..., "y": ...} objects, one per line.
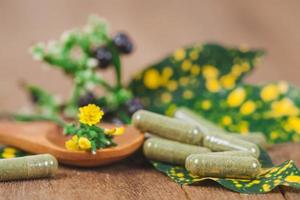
[
  {"x": 44, "y": 102},
  {"x": 272, "y": 176}
]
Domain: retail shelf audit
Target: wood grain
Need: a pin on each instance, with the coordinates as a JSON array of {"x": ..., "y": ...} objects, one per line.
[{"x": 135, "y": 178}]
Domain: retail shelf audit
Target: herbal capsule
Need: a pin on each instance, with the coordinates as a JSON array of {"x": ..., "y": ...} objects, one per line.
[
  {"x": 37, "y": 166},
  {"x": 206, "y": 127},
  {"x": 170, "y": 151},
  {"x": 254, "y": 137},
  {"x": 224, "y": 142},
  {"x": 222, "y": 166},
  {"x": 167, "y": 127},
  {"x": 233, "y": 153}
]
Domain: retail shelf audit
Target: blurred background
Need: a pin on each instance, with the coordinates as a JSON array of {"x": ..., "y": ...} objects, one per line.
[{"x": 156, "y": 27}]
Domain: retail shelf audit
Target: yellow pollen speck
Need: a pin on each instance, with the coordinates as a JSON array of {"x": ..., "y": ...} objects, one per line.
[
  {"x": 167, "y": 72},
  {"x": 179, "y": 54},
  {"x": 210, "y": 72},
  {"x": 274, "y": 135},
  {"x": 266, "y": 187},
  {"x": 188, "y": 94},
  {"x": 184, "y": 81},
  {"x": 236, "y": 70},
  {"x": 194, "y": 55},
  {"x": 269, "y": 92},
  {"x": 228, "y": 81},
  {"x": 171, "y": 85},
  {"x": 180, "y": 174},
  {"x": 284, "y": 107},
  {"x": 152, "y": 79},
  {"x": 248, "y": 108},
  {"x": 226, "y": 120},
  {"x": 236, "y": 97},
  {"x": 195, "y": 70},
  {"x": 166, "y": 97},
  {"x": 186, "y": 65},
  {"x": 206, "y": 104},
  {"x": 213, "y": 85}
]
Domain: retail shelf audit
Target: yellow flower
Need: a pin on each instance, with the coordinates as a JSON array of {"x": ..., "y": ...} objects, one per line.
[
  {"x": 213, "y": 85},
  {"x": 248, "y": 107},
  {"x": 84, "y": 143},
  {"x": 90, "y": 114},
  {"x": 284, "y": 107},
  {"x": 236, "y": 97},
  {"x": 226, "y": 120},
  {"x": 269, "y": 92},
  {"x": 179, "y": 54},
  {"x": 266, "y": 187},
  {"x": 228, "y": 81},
  {"x": 210, "y": 71},
  {"x": 114, "y": 131},
  {"x": 206, "y": 104},
  {"x": 152, "y": 79},
  {"x": 293, "y": 123},
  {"x": 72, "y": 144}
]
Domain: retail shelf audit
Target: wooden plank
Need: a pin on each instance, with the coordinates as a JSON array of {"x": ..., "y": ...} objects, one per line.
[{"x": 130, "y": 179}]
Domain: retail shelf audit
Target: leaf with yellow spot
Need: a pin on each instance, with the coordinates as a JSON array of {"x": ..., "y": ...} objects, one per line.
[{"x": 285, "y": 174}]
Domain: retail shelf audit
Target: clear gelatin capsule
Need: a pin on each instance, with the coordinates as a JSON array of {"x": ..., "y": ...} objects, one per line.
[
  {"x": 222, "y": 142},
  {"x": 207, "y": 127},
  {"x": 170, "y": 151},
  {"x": 28, "y": 167},
  {"x": 167, "y": 127},
  {"x": 222, "y": 166},
  {"x": 232, "y": 153}
]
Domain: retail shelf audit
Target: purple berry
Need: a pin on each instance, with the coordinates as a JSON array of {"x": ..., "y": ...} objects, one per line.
[
  {"x": 123, "y": 43},
  {"x": 104, "y": 57}
]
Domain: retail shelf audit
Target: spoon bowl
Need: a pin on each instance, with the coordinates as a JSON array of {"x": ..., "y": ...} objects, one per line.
[{"x": 47, "y": 137}]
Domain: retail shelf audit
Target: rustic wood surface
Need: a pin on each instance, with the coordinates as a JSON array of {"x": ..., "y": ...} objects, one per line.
[
  {"x": 135, "y": 178},
  {"x": 157, "y": 28}
]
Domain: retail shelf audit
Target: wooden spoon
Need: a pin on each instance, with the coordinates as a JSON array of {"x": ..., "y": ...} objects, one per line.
[{"x": 46, "y": 137}]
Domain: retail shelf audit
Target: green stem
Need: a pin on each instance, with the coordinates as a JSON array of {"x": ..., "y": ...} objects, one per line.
[
  {"x": 28, "y": 118},
  {"x": 116, "y": 63},
  {"x": 107, "y": 86}
]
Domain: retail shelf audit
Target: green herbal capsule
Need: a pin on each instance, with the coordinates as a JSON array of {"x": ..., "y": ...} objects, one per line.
[
  {"x": 170, "y": 151},
  {"x": 233, "y": 153},
  {"x": 227, "y": 143},
  {"x": 206, "y": 127},
  {"x": 222, "y": 166},
  {"x": 37, "y": 166},
  {"x": 254, "y": 137},
  {"x": 167, "y": 127}
]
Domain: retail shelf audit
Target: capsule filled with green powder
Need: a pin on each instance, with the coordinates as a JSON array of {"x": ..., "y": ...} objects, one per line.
[
  {"x": 222, "y": 166},
  {"x": 170, "y": 151},
  {"x": 167, "y": 127},
  {"x": 232, "y": 153},
  {"x": 224, "y": 142},
  {"x": 206, "y": 127},
  {"x": 28, "y": 167}
]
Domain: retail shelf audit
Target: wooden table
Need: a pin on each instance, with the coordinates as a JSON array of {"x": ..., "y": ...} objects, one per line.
[{"x": 135, "y": 178}]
